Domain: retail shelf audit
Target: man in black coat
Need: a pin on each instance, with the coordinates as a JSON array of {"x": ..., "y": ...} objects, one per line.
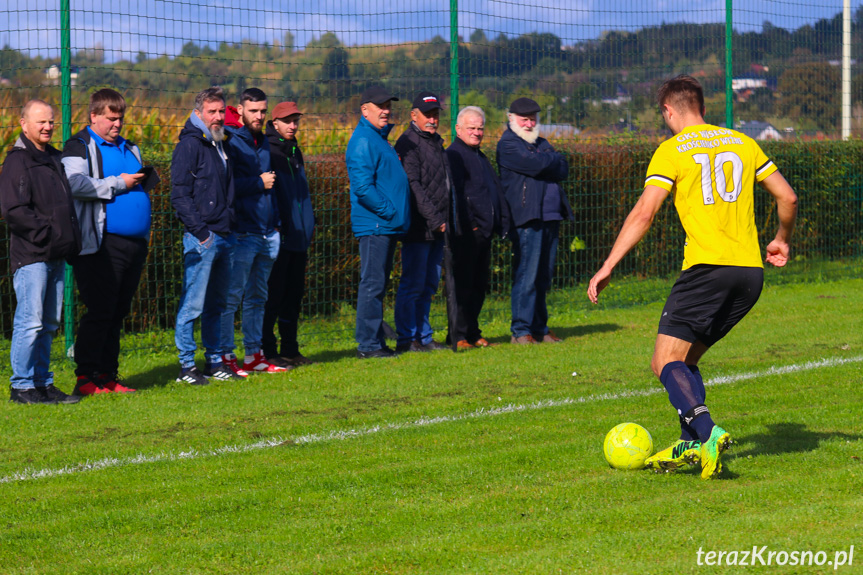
[
  {"x": 421, "y": 151},
  {"x": 531, "y": 172},
  {"x": 36, "y": 202},
  {"x": 482, "y": 212}
]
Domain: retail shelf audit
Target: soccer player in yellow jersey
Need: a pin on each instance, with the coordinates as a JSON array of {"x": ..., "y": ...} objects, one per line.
[{"x": 711, "y": 173}]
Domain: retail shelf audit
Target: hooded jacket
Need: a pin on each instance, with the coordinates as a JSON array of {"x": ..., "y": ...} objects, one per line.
[
  {"x": 292, "y": 192},
  {"x": 425, "y": 163},
  {"x": 90, "y": 188},
  {"x": 526, "y": 171},
  {"x": 256, "y": 208},
  {"x": 380, "y": 192},
  {"x": 203, "y": 186},
  {"x": 36, "y": 201},
  {"x": 479, "y": 193}
]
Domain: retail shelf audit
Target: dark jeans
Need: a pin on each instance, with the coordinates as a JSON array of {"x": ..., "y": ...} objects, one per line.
[
  {"x": 376, "y": 263},
  {"x": 286, "y": 288},
  {"x": 106, "y": 281},
  {"x": 535, "y": 248},
  {"x": 471, "y": 269}
]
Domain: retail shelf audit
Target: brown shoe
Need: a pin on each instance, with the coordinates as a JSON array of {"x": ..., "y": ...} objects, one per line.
[
  {"x": 464, "y": 344},
  {"x": 481, "y": 342},
  {"x": 299, "y": 360},
  {"x": 523, "y": 339},
  {"x": 550, "y": 338}
]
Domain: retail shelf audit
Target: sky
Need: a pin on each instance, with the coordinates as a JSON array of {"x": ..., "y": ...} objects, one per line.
[{"x": 155, "y": 27}]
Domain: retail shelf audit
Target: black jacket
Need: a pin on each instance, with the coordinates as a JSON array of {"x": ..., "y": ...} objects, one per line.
[
  {"x": 526, "y": 170},
  {"x": 36, "y": 202},
  {"x": 203, "y": 187},
  {"x": 478, "y": 191},
  {"x": 426, "y": 165},
  {"x": 292, "y": 192}
]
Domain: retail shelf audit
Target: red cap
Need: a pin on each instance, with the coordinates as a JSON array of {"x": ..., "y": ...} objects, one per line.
[{"x": 285, "y": 109}]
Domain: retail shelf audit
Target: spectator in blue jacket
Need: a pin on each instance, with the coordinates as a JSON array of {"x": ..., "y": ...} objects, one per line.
[
  {"x": 203, "y": 196},
  {"x": 380, "y": 212},
  {"x": 257, "y": 233},
  {"x": 114, "y": 212},
  {"x": 287, "y": 280},
  {"x": 531, "y": 172}
]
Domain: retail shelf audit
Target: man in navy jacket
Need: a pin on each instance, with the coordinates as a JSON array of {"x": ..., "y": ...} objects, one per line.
[
  {"x": 203, "y": 196},
  {"x": 531, "y": 172},
  {"x": 380, "y": 211}
]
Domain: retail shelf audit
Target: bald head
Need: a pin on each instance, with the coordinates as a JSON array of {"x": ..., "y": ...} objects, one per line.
[{"x": 37, "y": 122}]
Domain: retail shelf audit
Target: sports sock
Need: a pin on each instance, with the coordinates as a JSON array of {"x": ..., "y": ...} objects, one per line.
[
  {"x": 687, "y": 433},
  {"x": 687, "y": 396}
]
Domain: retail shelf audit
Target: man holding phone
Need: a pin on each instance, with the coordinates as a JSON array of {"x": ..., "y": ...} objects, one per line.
[{"x": 105, "y": 174}]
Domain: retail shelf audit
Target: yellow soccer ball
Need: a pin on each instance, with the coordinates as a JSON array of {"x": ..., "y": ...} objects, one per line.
[{"x": 627, "y": 446}]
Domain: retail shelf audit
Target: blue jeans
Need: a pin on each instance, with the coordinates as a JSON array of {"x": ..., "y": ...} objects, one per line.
[
  {"x": 39, "y": 291},
  {"x": 206, "y": 273},
  {"x": 421, "y": 265},
  {"x": 534, "y": 249},
  {"x": 253, "y": 261},
  {"x": 376, "y": 263}
]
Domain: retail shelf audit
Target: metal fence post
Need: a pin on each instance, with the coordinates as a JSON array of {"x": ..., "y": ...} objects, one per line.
[
  {"x": 453, "y": 64},
  {"x": 66, "y": 119},
  {"x": 729, "y": 69}
]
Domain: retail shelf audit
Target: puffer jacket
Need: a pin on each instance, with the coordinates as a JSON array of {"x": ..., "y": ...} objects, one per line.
[
  {"x": 380, "y": 192},
  {"x": 203, "y": 185},
  {"x": 295, "y": 202},
  {"x": 526, "y": 170},
  {"x": 36, "y": 201},
  {"x": 425, "y": 163}
]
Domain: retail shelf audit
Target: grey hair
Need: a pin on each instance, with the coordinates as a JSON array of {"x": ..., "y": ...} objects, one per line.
[
  {"x": 476, "y": 110},
  {"x": 211, "y": 94}
]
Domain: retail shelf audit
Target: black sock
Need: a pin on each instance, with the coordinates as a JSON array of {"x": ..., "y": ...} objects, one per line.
[
  {"x": 687, "y": 433},
  {"x": 686, "y": 393}
]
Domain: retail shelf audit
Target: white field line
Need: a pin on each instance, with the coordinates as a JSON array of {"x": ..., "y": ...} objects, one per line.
[{"x": 31, "y": 474}]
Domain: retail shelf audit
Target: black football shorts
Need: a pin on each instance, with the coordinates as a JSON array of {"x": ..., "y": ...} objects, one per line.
[{"x": 707, "y": 301}]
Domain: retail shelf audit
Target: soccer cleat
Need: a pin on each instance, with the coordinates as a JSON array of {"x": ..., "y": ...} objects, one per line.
[
  {"x": 231, "y": 363},
  {"x": 671, "y": 458},
  {"x": 113, "y": 382},
  {"x": 87, "y": 386},
  {"x": 192, "y": 376},
  {"x": 51, "y": 394},
  {"x": 259, "y": 364},
  {"x": 711, "y": 452},
  {"x": 219, "y": 372}
]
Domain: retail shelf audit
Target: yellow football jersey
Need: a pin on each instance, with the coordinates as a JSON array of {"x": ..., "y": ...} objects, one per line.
[{"x": 711, "y": 172}]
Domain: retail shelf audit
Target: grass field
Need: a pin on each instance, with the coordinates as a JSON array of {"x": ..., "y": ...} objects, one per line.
[{"x": 487, "y": 461}]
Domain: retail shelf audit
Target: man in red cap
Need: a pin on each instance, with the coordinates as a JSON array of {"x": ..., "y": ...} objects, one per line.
[{"x": 287, "y": 280}]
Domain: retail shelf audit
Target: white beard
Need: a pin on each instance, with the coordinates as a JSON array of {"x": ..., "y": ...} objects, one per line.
[
  {"x": 529, "y": 137},
  {"x": 218, "y": 133}
]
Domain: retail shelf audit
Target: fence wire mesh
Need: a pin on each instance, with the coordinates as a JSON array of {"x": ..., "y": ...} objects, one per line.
[{"x": 773, "y": 67}]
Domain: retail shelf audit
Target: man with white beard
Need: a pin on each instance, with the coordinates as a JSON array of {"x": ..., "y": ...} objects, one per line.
[
  {"x": 203, "y": 196},
  {"x": 531, "y": 172}
]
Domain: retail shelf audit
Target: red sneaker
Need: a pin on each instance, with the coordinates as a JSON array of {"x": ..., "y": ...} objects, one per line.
[
  {"x": 230, "y": 362},
  {"x": 86, "y": 386},
  {"x": 113, "y": 383},
  {"x": 259, "y": 364}
]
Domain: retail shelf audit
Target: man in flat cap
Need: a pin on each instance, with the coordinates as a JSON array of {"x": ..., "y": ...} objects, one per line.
[
  {"x": 380, "y": 212},
  {"x": 286, "y": 285},
  {"x": 531, "y": 172},
  {"x": 424, "y": 160}
]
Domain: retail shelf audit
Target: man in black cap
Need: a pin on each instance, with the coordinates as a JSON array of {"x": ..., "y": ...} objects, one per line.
[
  {"x": 380, "y": 212},
  {"x": 531, "y": 172},
  {"x": 422, "y": 154}
]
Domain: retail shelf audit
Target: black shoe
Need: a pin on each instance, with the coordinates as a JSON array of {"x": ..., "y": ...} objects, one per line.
[
  {"x": 218, "y": 371},
  {"x": 193, "y": 376},
  {"x": 433, "y": 346},
  {"x": 280, "y": 361},
  {"x": 382, "y": 352},
  {"x": 26, "y": 396},
  {"x": 54, "y": 395},
  {"x": 412, "y": 346}
]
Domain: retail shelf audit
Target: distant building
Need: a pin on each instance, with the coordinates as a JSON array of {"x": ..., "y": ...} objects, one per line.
[
  {"x": 740, "y": 84},
  {"x": 52, "y": 74},
  {"x": 759, "y": 131},
  {"x": 559, "y": 130}
]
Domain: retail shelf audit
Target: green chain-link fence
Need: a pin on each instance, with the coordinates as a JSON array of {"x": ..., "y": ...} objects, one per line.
[{"x": 773, "y": 68}]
